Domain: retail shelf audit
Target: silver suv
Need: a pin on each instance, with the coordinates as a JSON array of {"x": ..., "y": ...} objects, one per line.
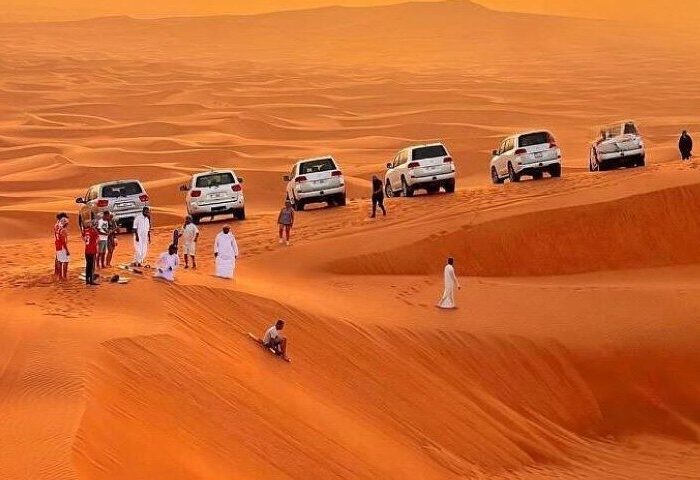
[{"x": 124, "y": 199}]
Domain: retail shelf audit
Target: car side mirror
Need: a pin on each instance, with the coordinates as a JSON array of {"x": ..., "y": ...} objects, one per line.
[
  {"x": 494, "y": 152},
  {"x": 286, "y": 178},
  {"x": 80, "y": 200},
  {"x": 240, "y": 179},
  {"x": 184, "y": 188},
  {"x": 388, "y": 165}
]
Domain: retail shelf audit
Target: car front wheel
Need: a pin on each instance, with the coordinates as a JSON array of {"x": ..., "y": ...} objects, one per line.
[
  {"x": 494, "y": 176},
  {"x": 388, "y": 190}
]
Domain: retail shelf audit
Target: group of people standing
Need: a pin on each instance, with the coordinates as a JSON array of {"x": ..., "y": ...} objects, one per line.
[{"x": 100, "y": 239}]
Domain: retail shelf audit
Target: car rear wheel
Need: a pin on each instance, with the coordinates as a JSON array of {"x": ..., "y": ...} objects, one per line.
[
  {"x": 342, "y": 200},
  {"x": 406, "y": 190},
  {"x": 299, "y": 205},
  {"x": 512, "y": 176},
  {"x": 494, "y": 176},
  {"x": 239, "y": 214},
  {"x": 555, "y": 171},
  {"x": 196, "y": 219},
  {"x": 537, "y": 176},
  {"x": 449, "y": 186}
]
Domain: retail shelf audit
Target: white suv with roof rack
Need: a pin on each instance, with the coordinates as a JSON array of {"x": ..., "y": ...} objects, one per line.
[
  {"x": 316, "y": 180},
  {"x": 529, "y": 153},
  {"x": 619, "y": 145},
  {"x": 124, "y": 199},
  {"x": 214, "y": 193},
  {"x": 420, "y": 167}
]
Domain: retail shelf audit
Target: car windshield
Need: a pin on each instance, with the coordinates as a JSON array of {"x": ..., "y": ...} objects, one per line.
[
  {"x": 431, "y": 151},
  {"x": 630, "y": 128},
  {"x": 315, "y": 166},
  {"x": 214, "y": 180},
  {"x": 116, "y": 190},
  {"x": 535, "y": 139}
]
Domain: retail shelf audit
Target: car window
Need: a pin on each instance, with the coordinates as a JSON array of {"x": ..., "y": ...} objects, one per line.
[
  {"x": 116, "y": 190},
  {"x": 630, "y": 128},
  {"x": 431, "y": 151},
  {"x": 315, "y": 166},
  {"x": 92, "y": 195},
  {"x": 404, "y": 157},
  {"x": 531, "y": 139},
  {"x": 214, "y": 180}
]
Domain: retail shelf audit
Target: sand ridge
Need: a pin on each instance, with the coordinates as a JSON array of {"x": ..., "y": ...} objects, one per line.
[{"x": 573, "y": 355}]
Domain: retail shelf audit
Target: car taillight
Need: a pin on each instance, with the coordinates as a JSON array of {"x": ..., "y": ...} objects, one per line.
[
  {"x": 520, "y": 151},
  {"x": 447, "y": 160},
  {"x": 236, "y": 187},
  {"x": 552, "y": 145},
  {"x": 195, "y": 193},
  {"x": 414, "y": 165},
  {"x": 102, "y": 203},
  {"x": 300, "y": 179},
  {"x": 143, "y": 198},
  {"x": 336, "y": 173}
]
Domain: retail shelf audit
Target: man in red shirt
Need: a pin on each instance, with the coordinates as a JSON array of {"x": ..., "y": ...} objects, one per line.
[{"x": 91, "y": 236}]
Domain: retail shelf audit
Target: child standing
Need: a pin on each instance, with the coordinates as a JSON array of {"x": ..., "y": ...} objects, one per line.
[{"x": 285, "y": 220}]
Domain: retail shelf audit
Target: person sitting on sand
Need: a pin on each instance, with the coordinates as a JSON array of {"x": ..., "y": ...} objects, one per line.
[
  {"x": 275, "y": 340},
  {"x": 448, "y": 296},
  {"x": 167, "y": 263},
  {"x": 285, "y": 220}
]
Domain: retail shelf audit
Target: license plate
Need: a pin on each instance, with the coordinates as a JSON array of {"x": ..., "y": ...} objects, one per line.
[
  {"x": 125, "y": 205},
  {"x": 319, "y": 182},
  {"x": 432, "y": 168},
  {"x": 216, "y": 195},
  {"x": 538, "y": 155}
]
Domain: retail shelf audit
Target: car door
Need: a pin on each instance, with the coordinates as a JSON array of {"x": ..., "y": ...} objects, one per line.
[
  {"x": 499, "y": 162},
  {"x": 508, "y": 154},
  {"x": 393, "y": 177}
]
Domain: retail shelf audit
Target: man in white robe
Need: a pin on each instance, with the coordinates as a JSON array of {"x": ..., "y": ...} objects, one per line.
[
  {"x": 451, "y": 281},
  {"x": 225, "y": 253},
  {"x": 167, "y": 263},
  {"x": 142, "y": 236}
]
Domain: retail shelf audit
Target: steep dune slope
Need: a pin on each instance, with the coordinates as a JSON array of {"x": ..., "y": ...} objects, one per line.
[
  {"x": 632, "y": 232},
  {"x": 352, "y": 404}
]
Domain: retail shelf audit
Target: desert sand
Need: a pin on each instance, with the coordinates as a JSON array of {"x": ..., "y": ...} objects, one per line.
[{"x": 574, "y": 353}]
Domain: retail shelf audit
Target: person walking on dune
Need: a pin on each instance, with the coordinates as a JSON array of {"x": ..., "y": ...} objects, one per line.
[
  {"x": 190, "y": 235},
  {"x": 61, "y": 244},
  {"x": 142, "y": 236},
  {"x": 285, "y": 220},
  {"x": 91, "y": 237},
  {"x": 377, "y": 196},
  {"x": 225, "y": 253},
  {"x": 451, "y": 282},
  {"x": 167, "y": 263},
  {"x": 274, "y": 339},
  {"x": 685, "y": 145}
]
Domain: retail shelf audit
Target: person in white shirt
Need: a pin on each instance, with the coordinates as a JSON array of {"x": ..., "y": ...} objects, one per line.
[
  {"x": 225, "y": 253},
  {"x": 189, "y": 236},
  {"x": 103, "y": 236},
  {"x": 451, "y": 281},
  {"x": 167, "y": 263},
  {"x": 275, "y": 340},
  {"x": 142, "y": 236}
]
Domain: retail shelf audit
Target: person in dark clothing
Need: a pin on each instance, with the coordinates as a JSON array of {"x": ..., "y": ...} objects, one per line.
[
  {"x": 91, "y": 238},
  {"x": 685, "y": 145},
  {"x": 377, "y": 196}
]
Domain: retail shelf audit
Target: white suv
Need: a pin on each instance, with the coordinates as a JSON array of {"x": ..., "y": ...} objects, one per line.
[
  {"x": 316, "y": 180},
  {"x": 213, "y": 193},
  {"x": 420, "y": 167},
  {"x": 124, "y": 199},
  {"x": 618, "y": 145},
  {"x": 530, "y": 153}
]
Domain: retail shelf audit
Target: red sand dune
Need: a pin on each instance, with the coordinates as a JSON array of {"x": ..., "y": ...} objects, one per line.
[{"x": 573, "y": 355}]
